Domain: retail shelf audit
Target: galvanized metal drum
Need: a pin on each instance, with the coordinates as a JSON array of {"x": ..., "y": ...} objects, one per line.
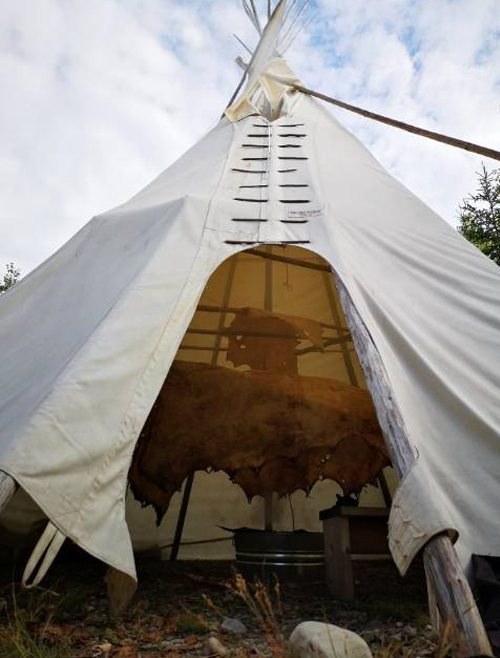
[{"x": 290, "y": 556}]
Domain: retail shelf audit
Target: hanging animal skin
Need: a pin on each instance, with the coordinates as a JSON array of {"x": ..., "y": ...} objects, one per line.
[
  {"x": 255, "y": 346},
  {"x": 269, "y": 431}
]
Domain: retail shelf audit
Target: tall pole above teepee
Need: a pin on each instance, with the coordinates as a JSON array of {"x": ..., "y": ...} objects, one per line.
[{"x": 269, "y": 37}]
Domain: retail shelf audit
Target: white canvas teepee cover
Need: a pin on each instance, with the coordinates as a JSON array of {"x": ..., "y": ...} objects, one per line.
[{"x": 88, "y": 337}]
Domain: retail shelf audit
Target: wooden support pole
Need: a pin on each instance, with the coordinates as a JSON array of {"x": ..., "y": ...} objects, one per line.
[
  {"x": 262, "y": 334},
  {"x": 326, "y": 343},
  {"x": 210, "y": 308},
  {"x": 351, "y": 372},
  {"x": 268, "y": 305},
  {"x": 8, "y": 488},
  {"x": 454, "y": 598},
  {"x": 384, "y": 487},
  {"x": 215, "y": 355},
  {"x": 349, "y": 366},
  {"x": 206, "y": 348},
  {"x": 201, "y": 348},
  {"x": 422, "y": 132},
  {"x": 181, "y": 518},
  {"x": 290, "y": 261}
]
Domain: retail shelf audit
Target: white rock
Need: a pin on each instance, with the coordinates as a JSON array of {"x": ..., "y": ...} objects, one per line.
[
  {"x": 410, "y": 631},
  {"x": 217, "y": 647},
  {"x": 315, "y": 639},
  {"x": 233, "y": 626}
]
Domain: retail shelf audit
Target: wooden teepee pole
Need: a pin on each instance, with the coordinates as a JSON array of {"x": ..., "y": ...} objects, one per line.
[
  {"x": 215, "y": 355},
  {"x": 268, "y": 305},
  {"x": 349, "y": 366},
  {"x": 454, "y": 598},
  {"x": 437, "y": 137}
]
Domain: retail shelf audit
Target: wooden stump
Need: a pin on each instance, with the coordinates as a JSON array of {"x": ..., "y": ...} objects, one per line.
[{"x": 121, "y": 589}]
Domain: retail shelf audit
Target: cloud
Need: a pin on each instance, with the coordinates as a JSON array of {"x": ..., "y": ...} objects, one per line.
[
  {"x": 99, "y": 96},
  {"x": 433, "y": 64}
]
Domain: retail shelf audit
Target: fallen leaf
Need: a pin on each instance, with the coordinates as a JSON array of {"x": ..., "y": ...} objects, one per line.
[
  {"x": 127, "y": 651},
  {"x": 57, "y": 632},
  {"x": 191, "y": 639},
  {"x": 154, "y": 636}
]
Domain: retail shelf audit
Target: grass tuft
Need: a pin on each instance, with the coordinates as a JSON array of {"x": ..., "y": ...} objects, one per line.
[
  {"x": 260, "y": 602},
  {"x": 190, "y": 622},
  {"x": 27, "y": 633}
]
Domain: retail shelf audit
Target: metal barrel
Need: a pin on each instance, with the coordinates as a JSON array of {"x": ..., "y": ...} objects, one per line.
[{"x": 290, "y": 556}]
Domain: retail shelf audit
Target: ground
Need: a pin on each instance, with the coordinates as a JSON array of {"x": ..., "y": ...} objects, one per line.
[{"x": 180, "y": 606}]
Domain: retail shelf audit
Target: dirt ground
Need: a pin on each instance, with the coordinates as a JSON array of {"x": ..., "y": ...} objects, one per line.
[{"x": 180, "y": 606}]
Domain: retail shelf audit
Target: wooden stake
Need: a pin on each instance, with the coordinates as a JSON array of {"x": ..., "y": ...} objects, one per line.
[
  {"x": 120, "y": 589},
  {"x": 454, "y": 598}
]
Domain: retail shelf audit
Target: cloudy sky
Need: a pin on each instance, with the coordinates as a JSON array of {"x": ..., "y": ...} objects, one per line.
[{"x": 98, "y": 96}]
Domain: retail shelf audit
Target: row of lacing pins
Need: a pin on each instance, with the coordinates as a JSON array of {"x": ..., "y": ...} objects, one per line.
[{"x": 259, "y": 135}]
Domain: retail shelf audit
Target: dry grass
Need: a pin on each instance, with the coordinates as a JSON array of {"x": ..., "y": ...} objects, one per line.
[
  {"x": 179, "y": 607},
  {"x": 396, "y": 649},
  {"x": 267, "y": 609},
  {"x": 29, "y": 632},
  {"x": 260, "y": 602}
]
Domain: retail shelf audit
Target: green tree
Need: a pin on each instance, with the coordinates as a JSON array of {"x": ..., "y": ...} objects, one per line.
[
  {"x": 479, "y": 215},
  {"x": 10, "y": 277}
]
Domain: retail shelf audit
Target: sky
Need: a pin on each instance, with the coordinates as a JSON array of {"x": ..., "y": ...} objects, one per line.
[{"x": 99, "y": 96}]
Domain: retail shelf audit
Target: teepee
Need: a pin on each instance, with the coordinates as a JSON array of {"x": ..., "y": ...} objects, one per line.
[{"x": 88, "y": 338}]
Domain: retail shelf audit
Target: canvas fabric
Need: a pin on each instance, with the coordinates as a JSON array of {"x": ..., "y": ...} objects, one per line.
[{"x": 88, "y": 337}]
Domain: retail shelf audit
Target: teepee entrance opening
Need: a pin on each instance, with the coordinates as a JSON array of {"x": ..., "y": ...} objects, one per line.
[{"x": 266, "y": 388}]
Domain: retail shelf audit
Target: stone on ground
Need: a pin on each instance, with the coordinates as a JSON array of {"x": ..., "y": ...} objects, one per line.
[
  {"x": 233, "y": 626},
  {"x": 217, "y": 647},
  {"x": 314, "y": 639}
]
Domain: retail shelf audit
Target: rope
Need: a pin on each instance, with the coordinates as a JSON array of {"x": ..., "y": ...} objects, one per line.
[{"x": 445, "y": 139}]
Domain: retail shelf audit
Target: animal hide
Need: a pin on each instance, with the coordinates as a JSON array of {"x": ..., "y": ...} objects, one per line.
[
  {"x": 268, "y": 353},
  {"x": 269, "y": 431}
]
